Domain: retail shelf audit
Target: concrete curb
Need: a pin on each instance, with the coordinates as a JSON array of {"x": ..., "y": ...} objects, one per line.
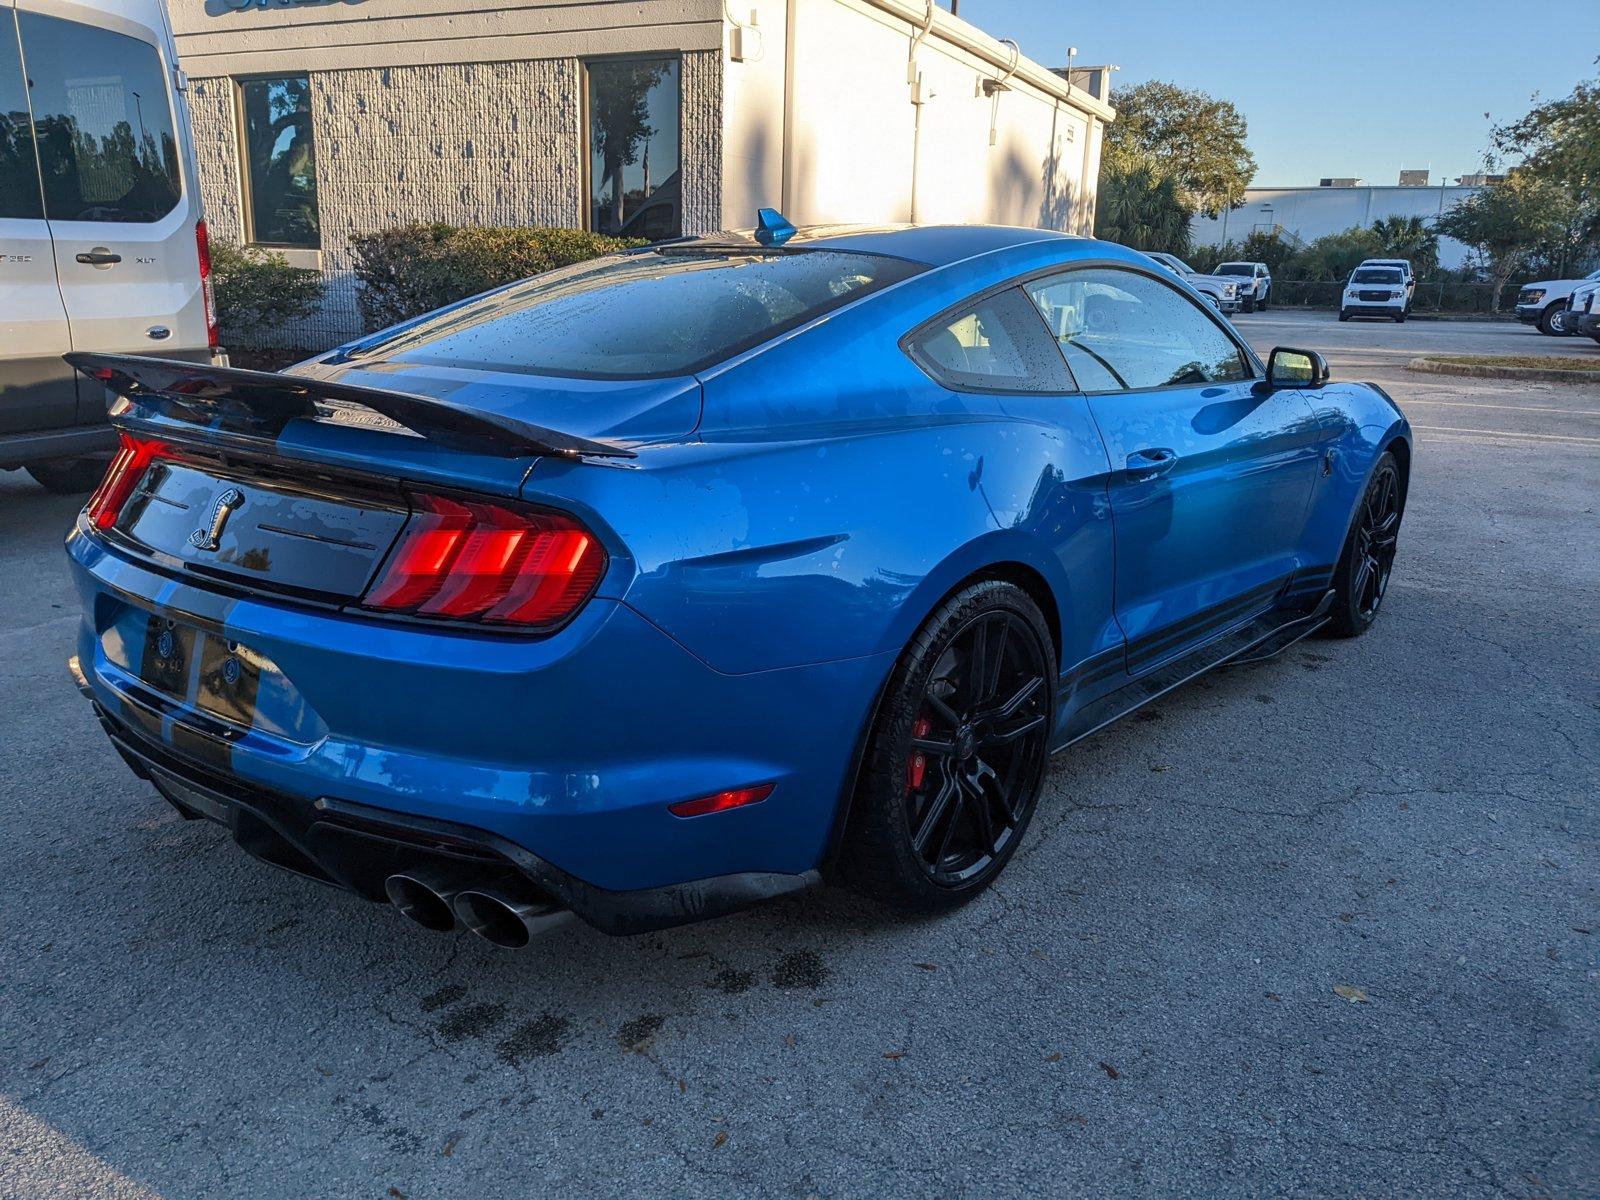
[{"x": 1433, "y": 366}]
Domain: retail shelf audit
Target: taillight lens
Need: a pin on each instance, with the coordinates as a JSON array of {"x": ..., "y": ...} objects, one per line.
[
  {"x": 128, "y": 466},
  {"x": 207, "y": 289},
  {"x": 475, "y": 561}
]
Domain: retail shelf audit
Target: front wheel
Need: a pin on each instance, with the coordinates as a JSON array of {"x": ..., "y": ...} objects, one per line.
[
  {"x": 1249, "y": 306},
  {"x": 1400, "y": 317},
  {"x": 1362, "y": 576},
  {"x": 956, "y": 755},
  {"x": 1553, "y": 323},
  {"x": 1343, "y": 316}
]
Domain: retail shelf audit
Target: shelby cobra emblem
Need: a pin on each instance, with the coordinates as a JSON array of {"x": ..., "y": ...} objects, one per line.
[{"x": 205, "y": 538}]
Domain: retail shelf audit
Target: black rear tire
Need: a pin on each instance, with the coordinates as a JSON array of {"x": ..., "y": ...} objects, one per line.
[
  {"x": 1343, "y": 316},
  {"x": 956, "y": 756},
  {"x": 1362, "y": 576},
  {"x": 68, "y": 476}
]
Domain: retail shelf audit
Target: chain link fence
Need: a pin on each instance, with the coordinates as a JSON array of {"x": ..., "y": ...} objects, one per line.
[{"x": 1450, "y": 296}]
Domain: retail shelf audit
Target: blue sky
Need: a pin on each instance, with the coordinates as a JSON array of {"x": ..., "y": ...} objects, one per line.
[{"x": 1361, "y": 87}]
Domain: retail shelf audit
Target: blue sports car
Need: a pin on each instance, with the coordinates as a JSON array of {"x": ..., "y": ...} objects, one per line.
[{"x": 677, "y": 580}]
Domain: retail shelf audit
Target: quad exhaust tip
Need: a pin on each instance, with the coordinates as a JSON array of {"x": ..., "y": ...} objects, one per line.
[{"x": 509, "y": 914}]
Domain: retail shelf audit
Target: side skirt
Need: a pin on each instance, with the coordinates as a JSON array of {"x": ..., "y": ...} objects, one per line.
[{"x": 1261, "y": 638}]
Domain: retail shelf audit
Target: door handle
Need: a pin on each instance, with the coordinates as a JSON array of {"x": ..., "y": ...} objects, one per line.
[
  {"x": 1147, "y": 464},
  {"x": 99, "y": 258}
]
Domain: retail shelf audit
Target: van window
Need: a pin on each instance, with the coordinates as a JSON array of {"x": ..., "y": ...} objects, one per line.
[
  {"x": 280, "y": 161},
  {"x": 19, "y": 170},
  {"x": 102, "y": 115}
]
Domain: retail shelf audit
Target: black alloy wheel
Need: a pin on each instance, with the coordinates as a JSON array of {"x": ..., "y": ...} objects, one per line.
[
  {"x": 958, "y": 752},
  {"x": 1368, "y": 561}
]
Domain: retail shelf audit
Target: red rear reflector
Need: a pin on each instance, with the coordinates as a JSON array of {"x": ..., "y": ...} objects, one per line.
[
  {"x": 721, "y": 802},
  {"x": 122, "y": 477},
  {"x": 476, "y": 561}
]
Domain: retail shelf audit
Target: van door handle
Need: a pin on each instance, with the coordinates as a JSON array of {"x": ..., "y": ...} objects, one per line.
[
  {"x": 1147, "y": 464},
  {"x": 99, "y": 258}
]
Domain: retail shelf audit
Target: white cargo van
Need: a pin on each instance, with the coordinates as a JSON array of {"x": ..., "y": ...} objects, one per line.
[{"x": 102, "y": 245}]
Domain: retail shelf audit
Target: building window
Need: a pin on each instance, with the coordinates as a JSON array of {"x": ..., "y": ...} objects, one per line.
[
  {"x": 280, "y": 162},
  {"x": 102, "y": 121},
  {"x": 634, "y": 126}
]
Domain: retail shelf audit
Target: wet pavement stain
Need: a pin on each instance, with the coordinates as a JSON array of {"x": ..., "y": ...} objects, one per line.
[
  {"x": 635, "y": 1035},
  {"x": 538, "y": 1038},
  {"x": 800, "y": 969},
  {"x": 474, "y": 1020},
  {"x": 733, "y": 982},
  {"x": 448, "y": 994}
]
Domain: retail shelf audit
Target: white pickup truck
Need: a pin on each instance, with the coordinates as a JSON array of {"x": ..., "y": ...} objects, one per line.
[
  {"x": 1545, "y": 303},
  {"x": 1224, "y": 293}
]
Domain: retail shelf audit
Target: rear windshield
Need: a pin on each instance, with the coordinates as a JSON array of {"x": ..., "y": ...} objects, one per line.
[
  {"x": 1377, "y": 275},
  {"x": 629, "y": 316},
  {"x": 1236, "y": 269}
]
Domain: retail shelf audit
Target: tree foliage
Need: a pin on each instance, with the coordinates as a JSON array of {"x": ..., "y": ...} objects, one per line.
[
  {"x": 1141, "y": 204},
  {"x": 1195, "y": 137},
  {"x": 1507, "y": 223},
  {"x": 1410, "y": 238},
  {"x": 1559, "y": 144}
]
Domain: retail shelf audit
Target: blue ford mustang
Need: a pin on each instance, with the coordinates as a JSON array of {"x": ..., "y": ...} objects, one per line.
[{"x": 669, "y": 582}]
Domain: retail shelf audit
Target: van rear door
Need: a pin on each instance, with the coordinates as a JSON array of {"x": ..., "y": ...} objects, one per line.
[
  {"x": 119, "y": 187},
  {"x": 36, "y": 388}
]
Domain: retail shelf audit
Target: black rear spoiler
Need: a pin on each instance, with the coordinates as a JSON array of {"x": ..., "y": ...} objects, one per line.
[{"x": 261, "y": 404}]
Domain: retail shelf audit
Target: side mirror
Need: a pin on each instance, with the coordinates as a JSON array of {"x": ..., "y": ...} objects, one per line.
[{"x": 1296, "y": 369}]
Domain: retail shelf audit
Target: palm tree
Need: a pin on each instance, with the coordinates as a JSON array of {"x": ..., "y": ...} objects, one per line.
[
  {"x": 1409, "y": 238},
  {"x": 1142, "y": 206}
]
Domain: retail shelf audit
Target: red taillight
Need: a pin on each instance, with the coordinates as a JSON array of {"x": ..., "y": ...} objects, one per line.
[
  {"x": 475, "y": 561},
  {"x": 207, "y": 289},
  {"x": 127, "y": 468},
  {"x": 721, "y": 802}
]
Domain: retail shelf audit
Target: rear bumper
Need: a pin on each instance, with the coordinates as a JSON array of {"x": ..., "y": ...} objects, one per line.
[
  {"x": 562, "y": 752},
  {"x": 356, "y": 847}
]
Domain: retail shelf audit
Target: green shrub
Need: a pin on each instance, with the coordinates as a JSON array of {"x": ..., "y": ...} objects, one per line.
[
  {"x": 414, "y": 269},
  {"x": 258, "y": 292}
]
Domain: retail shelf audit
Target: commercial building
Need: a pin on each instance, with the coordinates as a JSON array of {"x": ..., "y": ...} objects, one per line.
[
  {"x": 316, "y": 121},
  {"x": 1307, "y": 213}
]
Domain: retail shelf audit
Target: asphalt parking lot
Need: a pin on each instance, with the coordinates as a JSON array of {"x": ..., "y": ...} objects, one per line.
[{"x": 1146, "y": 1005}]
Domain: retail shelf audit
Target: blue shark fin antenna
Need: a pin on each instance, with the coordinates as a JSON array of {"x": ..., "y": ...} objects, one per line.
[{"x": 773, "y": 228}]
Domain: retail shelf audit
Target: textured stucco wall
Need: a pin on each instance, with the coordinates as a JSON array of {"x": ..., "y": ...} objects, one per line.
[{"x": 496, "y": 143}]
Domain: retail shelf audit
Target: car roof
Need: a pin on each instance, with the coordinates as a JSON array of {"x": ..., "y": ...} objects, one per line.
[{"x": 934, "y": 245}]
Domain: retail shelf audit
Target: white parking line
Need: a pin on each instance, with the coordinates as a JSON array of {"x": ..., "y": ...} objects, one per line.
[
  {"x": 1571, "y": 412},
  {"x": 1502, "y": 433}
]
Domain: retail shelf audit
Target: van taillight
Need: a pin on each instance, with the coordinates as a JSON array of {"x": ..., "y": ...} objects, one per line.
[
  {"x": 128, "y": 466},
  {"x": 468, "y": 560},
  {"x": 207, "y": 289}
]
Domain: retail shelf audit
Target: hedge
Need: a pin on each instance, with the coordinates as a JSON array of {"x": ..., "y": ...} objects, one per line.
[
  {"x": 258, "y": 292},
  {"x": 414, "y": 269}
]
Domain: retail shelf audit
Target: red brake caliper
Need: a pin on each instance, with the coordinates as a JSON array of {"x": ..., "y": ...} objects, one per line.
[{"x": 917, "y": 764}]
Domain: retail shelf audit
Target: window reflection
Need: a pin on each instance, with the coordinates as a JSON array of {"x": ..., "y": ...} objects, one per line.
[
  {"x": 103, "y": 122},
  {"x": 280, "y": 161},
  {"x": 634, "y": 156}
]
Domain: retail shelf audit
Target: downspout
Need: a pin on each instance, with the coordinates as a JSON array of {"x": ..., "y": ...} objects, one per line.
[
  {"x": 914, "y": 78},
  {"x": 786, "y": 170}
]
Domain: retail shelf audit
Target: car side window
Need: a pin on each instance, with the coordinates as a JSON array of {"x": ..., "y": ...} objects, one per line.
[
  {"x": 1123, "y": 331},
  {"x": 996, "y": 345}
]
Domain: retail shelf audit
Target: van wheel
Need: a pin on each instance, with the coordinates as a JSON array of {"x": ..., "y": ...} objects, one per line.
[
  {"x": 957, "y": 753},
  {"x": 68, "y": 476},
  {"x": 1343, "y": 316},
  {"x": 1553, "y": 321}
]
